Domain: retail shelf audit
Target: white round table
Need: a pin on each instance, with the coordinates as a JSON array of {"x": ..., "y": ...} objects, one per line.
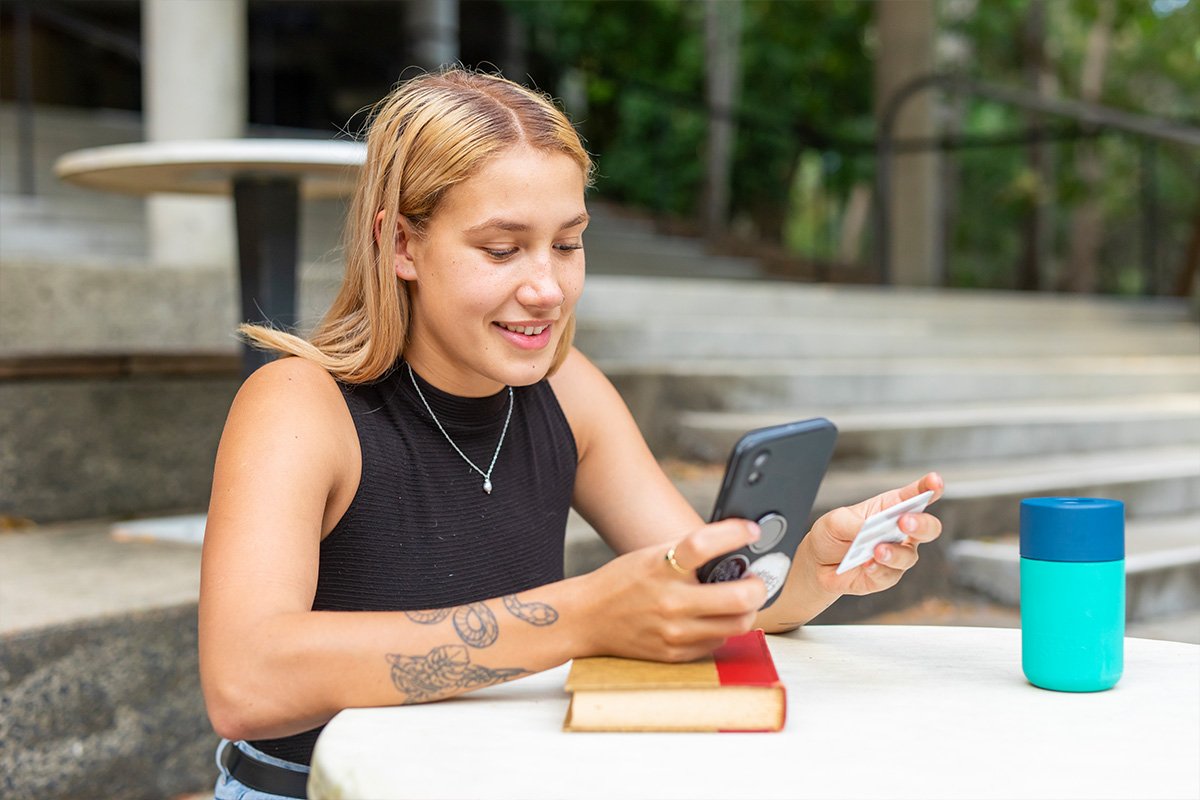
[
  {"x": 267, "y": 178},
  {"x": 873, "y": 712}
]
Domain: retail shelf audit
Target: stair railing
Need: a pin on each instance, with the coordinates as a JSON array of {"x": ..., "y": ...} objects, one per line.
[{"x": 1090, "y": 114}]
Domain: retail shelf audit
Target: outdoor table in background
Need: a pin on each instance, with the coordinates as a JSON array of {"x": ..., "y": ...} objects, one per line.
[
  {"x": 873, "y": 712},
  {"x": 267, "y": 178}
]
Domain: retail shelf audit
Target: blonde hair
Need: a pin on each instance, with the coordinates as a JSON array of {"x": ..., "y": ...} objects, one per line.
[{"x": 427, "y": 135}]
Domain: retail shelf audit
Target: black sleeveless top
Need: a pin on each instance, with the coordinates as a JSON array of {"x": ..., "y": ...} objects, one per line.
[{"x": 420, "y": 532}]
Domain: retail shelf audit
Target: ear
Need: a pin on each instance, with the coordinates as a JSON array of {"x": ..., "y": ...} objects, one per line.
[{"x": 401, "y": 247}]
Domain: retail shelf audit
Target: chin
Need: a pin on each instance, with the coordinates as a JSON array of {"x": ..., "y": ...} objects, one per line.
[{"x": 527, "y": 373}]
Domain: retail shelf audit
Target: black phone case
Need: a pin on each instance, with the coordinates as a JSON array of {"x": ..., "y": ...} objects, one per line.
[{"x": 772, "y": 472}]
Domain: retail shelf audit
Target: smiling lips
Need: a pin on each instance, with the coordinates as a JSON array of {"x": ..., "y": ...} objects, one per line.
[{"x": 528, "y": 336}]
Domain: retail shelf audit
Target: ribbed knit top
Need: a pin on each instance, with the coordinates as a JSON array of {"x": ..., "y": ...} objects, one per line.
[{"x": 420, "y": 532}]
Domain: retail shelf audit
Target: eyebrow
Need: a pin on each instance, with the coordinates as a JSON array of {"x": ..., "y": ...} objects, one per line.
[{"x": 511, "y": 225}]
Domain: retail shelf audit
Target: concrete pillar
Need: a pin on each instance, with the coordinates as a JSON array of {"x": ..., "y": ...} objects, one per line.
[
  {"x": 194, "y": 86},
  {"x": 906, "y": 40},
  {"x": 432, "y": 27}
]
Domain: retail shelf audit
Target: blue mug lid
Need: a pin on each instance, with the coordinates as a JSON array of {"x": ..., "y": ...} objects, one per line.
[{"x": 1072, "y": 529}]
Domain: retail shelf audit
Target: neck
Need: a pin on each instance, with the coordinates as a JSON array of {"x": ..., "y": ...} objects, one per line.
[{"x": 437, "y": 373}]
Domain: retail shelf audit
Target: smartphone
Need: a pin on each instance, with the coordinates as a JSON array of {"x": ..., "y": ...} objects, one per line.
[{"x": 772, "y": 478}]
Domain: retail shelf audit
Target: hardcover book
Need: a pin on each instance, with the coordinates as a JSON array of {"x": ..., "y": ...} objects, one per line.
[{"x": 734, "y": 689}]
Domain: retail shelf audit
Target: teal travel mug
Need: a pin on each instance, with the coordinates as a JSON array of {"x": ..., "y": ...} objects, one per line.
[{"x": 1072, "y": 592}]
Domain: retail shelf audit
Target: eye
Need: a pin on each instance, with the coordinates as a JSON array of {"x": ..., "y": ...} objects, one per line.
[
  {"x": 500, "y": 255},
  {"x": 567, "y": 248}
]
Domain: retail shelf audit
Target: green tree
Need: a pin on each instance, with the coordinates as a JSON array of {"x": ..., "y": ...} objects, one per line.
[{"x": 806, "y": 80}]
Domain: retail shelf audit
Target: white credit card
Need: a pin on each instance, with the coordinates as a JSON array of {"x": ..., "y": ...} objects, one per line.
[{"x": 881, "y": 527}]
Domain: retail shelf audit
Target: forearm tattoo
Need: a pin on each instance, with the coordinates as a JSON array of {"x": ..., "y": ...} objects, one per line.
[
  {"x": 535, "y": 613},
  {"x": 430, "y": 617},
  {"x": 476, "y": 624},
  {"x": 444, "y": 671}
]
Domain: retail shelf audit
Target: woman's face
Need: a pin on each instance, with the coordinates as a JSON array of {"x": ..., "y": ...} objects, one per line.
[{"x": 496, "y": 274}]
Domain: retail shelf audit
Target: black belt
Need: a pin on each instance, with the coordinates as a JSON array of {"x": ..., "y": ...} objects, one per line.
[{"x": 269, "y": 778}]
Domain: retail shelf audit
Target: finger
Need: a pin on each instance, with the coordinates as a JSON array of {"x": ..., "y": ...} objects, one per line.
[
  {"x": 730, "y": 598},
  {"x": 921, "y": 528},
  {"x": 929, "y": 482},
  {"x": 704, "y": 629},
  {"x": 900, "y": 557},
  {"x": 717, "y": 539},
  {"x": 691, "y": 651},
  {"x": 700, "y": 637},
  {"x": 882, "y": 575}
]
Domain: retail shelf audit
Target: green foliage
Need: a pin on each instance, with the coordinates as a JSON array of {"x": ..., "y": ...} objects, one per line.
[
  {"x": 803, "y": 72},
  {"x": 1152, "y": 69},
  {"x": 805, "y": 121}
]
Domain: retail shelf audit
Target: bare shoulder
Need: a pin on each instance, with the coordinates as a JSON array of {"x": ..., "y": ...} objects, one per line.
[
  {"x": 295, "y": 382},
  {"x": 289, "y": 451},
  {"x": 290, "y": 397}
]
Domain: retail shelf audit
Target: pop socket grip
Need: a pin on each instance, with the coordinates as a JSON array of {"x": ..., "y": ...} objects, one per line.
[
  {"x": 729, "y": 569},
  {"x": 771, "y": 528}
]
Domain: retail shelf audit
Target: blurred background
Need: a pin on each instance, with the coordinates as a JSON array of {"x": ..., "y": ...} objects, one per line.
[
  {"x": 967, "y": 232},
  {"x": 1023, "y": 199}
]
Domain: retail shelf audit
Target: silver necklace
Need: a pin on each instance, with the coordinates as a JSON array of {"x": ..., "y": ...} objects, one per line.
[{"x": 487, "y": 476}]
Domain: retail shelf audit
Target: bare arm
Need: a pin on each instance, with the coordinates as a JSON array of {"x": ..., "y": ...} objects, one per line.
[
  {"x": 620, "y": 488},
  {"x": 286, "y": 470},
  {"x": 622, "y": 491}
]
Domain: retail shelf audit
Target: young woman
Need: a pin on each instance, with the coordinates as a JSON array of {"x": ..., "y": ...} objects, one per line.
[{"x": 414, "y": 460}]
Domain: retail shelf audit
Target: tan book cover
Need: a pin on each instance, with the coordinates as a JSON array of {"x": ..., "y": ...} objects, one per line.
[{"x": 734, "y": 689}]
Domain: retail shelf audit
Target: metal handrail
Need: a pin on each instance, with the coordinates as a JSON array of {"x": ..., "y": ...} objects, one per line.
[{"x": 1088, "y": 113}]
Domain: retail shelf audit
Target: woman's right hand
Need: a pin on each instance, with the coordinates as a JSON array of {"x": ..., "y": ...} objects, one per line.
[{"x": 640, "y": 606}]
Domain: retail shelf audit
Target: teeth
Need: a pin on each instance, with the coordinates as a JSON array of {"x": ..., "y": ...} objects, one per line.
[{"x": 527, "y": 330}]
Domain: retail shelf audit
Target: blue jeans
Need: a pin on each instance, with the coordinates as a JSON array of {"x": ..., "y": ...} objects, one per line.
[{"x": 229, "y": 789}]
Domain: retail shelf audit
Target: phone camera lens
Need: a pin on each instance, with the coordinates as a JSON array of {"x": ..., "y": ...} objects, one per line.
[
  {"x": 754, "y": 477},
  {"x": 761, "y": 459}
]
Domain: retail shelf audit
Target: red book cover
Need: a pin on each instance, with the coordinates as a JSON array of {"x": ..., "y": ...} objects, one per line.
[{"x": 735, "y": 689}]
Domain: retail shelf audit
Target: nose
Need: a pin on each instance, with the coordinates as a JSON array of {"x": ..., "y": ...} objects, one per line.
[{"x": 541, "y": 287}]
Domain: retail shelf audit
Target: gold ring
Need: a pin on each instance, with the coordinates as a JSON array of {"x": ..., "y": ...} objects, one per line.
[{"x": 670, "y": 559}]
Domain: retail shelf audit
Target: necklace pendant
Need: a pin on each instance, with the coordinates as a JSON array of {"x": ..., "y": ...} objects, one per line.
[{"x": 487, "y": 485}]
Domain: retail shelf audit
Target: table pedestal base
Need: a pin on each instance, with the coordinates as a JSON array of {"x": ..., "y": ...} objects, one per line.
[{"x": 268, "y": 210}]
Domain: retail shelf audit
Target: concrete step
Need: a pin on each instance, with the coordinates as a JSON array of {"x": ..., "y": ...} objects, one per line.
[
  {"x": 69, "y": 573},
  {"x": 982, "y": 501},
  {"x": 1162, "y": 566},
  {"x": 609, "y": 218},
  {"x": 98, "y": 666},
  {"x": 630, "y": 257},
  {"x": 646, "y": 299},
  {"x": 656, "y": 392},
  {"x": 86, "y": 222},
  {"x": 777, "y": 337},
  {"x": 57, "y": 229},
  {"x": 880, "y": 437},
  {"x": 763, "y": 384},
  {"x": 1160, "y": 487},
  {"x": 982, "y": 498},
  {"x": 108, "y": 304},
  {"x": 57, "y": 130}
]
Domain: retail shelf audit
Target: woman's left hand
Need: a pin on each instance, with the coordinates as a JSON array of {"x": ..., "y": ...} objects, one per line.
[{"x": 832, "y": 534}]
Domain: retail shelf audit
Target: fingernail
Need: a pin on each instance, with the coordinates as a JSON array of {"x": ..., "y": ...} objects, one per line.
[
  {"x": 755, "y": 531},
  {"x": 872, "y": 566},
  {"x": 885, "y": 555},
  {"x": 908, "y": 524}
]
